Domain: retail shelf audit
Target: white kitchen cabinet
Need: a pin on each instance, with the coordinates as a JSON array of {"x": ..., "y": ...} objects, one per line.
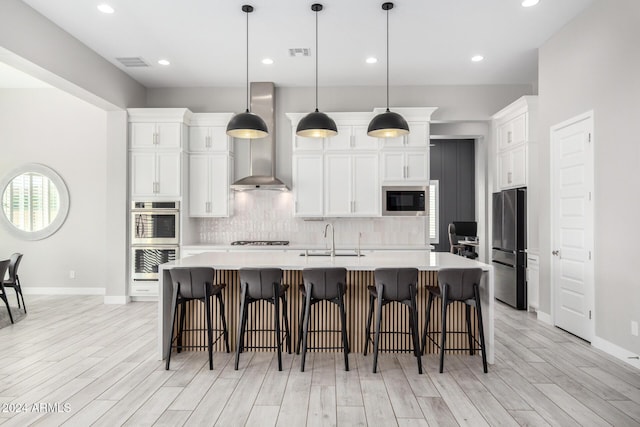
[
  {"x": 512, "y": 167},
  {"x": 514, "y": 129},
  {"x": 156, "y": 135},
  {"x": 405, "y": 166},
  {"x": 351, "y": 137},
  {"x": 418, "y": 137},
  {"x": 209, "y": 176},
  {"x": 204, "y": 139},
  {"x": 308, "y": 185},
  {"x": 155, "y": 174},
  {"x": 351, "y": 185},
  {"x": 512, "y": 132},
  {"x": 301, "y": 143}
]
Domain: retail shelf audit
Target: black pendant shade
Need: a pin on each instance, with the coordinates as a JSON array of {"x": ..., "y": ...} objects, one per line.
[
  {"x": 247, "y": 125},
  {"x": 316, "y": 124},
  {"x": 388, "y": 124}
]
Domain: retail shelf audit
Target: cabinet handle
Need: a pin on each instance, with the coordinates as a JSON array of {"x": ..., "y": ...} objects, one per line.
[
  {"x": 352, "y": 142},
  {"x": 208, "y": 207},
  {"x": 509, "y": 137},
  {"x": 353, "y": 207},
  {"x": 155, "y": 138},
  {"x": 509, "y": 177},
  {"x": 208, "y": 142}
]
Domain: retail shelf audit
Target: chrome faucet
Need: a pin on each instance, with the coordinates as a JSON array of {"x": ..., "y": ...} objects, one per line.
[
  {"x": 359, "y": 237},
  {"x": 333, "y": 240}
]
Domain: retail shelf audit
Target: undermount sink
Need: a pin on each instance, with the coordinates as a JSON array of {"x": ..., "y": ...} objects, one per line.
[{"x": 327, "y": 253}]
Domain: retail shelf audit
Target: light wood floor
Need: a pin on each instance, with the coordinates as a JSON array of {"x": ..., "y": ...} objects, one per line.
[{"x": 98, "y": 363}]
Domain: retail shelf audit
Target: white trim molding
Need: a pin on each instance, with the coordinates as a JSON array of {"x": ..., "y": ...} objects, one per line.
[
  {"x": 544, "y": 317},
  {"x": 616, "y": 351},
  {"x": 117, "y": 299},
  {"x": 59, "y": 290}
]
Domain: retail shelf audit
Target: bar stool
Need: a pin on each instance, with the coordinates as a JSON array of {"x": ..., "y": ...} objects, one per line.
[
  {"x": 323, "y": 284},
  {"x": 456, "y": 284},
  {"x": 263, "y": 284},
  {"x": 393, "y": 285},
  {"x": 195, "y": 284}
]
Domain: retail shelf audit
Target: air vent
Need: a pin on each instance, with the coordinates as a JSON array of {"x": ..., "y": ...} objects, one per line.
[
  {"x": 300, "y": 51},
  {"x": 132, "y": 62}
]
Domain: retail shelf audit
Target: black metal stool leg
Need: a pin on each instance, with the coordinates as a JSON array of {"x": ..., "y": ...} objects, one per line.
[
  {"x": 476, "y": 291},
  {"x": 285, "y": 318},
  {"x": 427, "y": 320},
  {"x": 183, "y": 315},
  {"x": 467, "y": 309},
  {"x": 414, "y": 329},
  {"x": 243, "y": 321},
  {"x": 345, "y": 339},
  {"x": 305, "y": 328},
  {"x": 443, "y": 337},
  {"x": 225, "y": 331},
  {"x": 300, "y": 327},
  {"x": 174, "y": 315},
  {"x": 376, "y": 342},
  {"x": 368, "y": 328},
  {"x": 207, "y": 315},
  {"x": 276, "y": 321}
]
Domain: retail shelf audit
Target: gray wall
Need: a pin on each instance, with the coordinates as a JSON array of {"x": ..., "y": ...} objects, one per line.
[
  {"x": 593, "y": 64},
  {"x": 453, "y": 165},
  {"x": 56, "y": 129}
]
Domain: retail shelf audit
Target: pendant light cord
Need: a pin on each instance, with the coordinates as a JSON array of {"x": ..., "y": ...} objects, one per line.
[
  {"x": 247, "y": 90},
  {"x": 316, "y": 60},
  {"x": 387, "y": 60}
]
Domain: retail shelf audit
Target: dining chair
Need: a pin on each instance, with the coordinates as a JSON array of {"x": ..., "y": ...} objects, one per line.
[{"x": 4, "y": 265}]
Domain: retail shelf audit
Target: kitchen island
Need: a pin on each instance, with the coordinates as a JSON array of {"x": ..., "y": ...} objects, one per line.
[{"x": 359, "y": 275}]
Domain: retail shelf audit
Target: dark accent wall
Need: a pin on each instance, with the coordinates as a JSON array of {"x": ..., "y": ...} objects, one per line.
[{"x": 453, "y": 165}]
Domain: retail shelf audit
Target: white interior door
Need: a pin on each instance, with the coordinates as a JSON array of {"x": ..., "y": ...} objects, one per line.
[{"x": 572, "y": 225}]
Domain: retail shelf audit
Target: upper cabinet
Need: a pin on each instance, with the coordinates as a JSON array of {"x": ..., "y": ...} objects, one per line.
[
  {"x": 342, "y": 176},
  {"x": 418, "y": 137},
  {"x": 514, "y": 143},
  {"x": 208, "y": 133},
  {"x": 156, "y": 139}
]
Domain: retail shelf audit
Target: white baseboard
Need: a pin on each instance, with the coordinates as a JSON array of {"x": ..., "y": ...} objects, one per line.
[
  {"x": 116, "y": 299},
  {"x": 544, "y": 317},
  {"x": 616, "y": 351},
  {"x": 55, "y": 290}
]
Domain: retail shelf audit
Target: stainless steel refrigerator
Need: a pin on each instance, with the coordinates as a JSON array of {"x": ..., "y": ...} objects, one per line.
[{"x": 509, "y": 243}]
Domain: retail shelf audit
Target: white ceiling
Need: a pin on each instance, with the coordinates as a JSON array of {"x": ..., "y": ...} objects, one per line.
[{"x": 431, "y": 42}]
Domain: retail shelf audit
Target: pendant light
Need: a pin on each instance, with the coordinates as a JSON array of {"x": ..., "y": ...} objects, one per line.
[
  {"x": 247, "y": 125},
  {"x": 316, "y": 124},
  {"x": 388, "y": 124}
]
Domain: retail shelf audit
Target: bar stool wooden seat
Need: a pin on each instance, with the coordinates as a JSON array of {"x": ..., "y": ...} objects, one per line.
[
  {"x": 393, "y": 285},
  {"x": 263, "y": 284},
  {"x": 456, "y": 284},
  {"x": 323, "y": 284},
  {"x": 195, "y": 284}
]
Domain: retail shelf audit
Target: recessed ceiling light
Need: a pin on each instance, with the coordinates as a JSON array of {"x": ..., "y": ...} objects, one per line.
[
  {"x": 372, "y": 60},
  {"x": 164, "y": 62},
  {"x": 105, "y": 8},
  {"x": 477, "y": 58},
  {"x": 529, "y": 3},
  {"x": 267, "y": 61}
]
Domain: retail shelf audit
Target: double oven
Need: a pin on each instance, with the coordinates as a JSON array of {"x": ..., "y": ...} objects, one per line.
[{"x": 155, "y": 236}]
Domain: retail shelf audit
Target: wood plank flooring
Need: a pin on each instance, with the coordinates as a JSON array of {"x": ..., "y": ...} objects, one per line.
[{"x": 74, "y": 361}]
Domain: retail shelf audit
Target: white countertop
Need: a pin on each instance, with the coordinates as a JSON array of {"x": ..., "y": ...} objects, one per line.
[
  {"x": 300, "y": 247},
  {"x": 422, "y": 260}
]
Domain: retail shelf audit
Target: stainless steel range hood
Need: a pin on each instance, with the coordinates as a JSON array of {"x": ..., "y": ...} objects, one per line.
[{"x": 262, "y": 152}]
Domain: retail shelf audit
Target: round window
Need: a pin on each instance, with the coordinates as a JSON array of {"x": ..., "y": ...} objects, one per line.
[{"x": 35, "y": 201}]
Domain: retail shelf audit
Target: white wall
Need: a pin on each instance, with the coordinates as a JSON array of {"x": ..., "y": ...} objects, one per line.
[
  {"x": 69, "y": 135},
  {"x": 593, "y": 64}
]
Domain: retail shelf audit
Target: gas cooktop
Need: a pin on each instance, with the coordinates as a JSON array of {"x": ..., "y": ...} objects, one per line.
[{"x": 260, "y": 243}]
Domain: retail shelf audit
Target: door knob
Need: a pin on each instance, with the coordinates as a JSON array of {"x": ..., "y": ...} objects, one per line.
[{"x": 555, "y": 253}]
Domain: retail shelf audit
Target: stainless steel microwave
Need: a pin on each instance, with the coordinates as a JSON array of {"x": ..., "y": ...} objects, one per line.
[{"x": 405, "y": 200}]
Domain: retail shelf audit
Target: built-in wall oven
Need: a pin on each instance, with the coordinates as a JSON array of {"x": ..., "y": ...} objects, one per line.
[
  {"x": 155, "y": 238},
  {"x": 155, "y": 223}
]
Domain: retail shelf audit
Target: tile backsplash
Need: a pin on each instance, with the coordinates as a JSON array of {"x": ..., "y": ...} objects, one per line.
[{"x": 268, "y": 215}]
